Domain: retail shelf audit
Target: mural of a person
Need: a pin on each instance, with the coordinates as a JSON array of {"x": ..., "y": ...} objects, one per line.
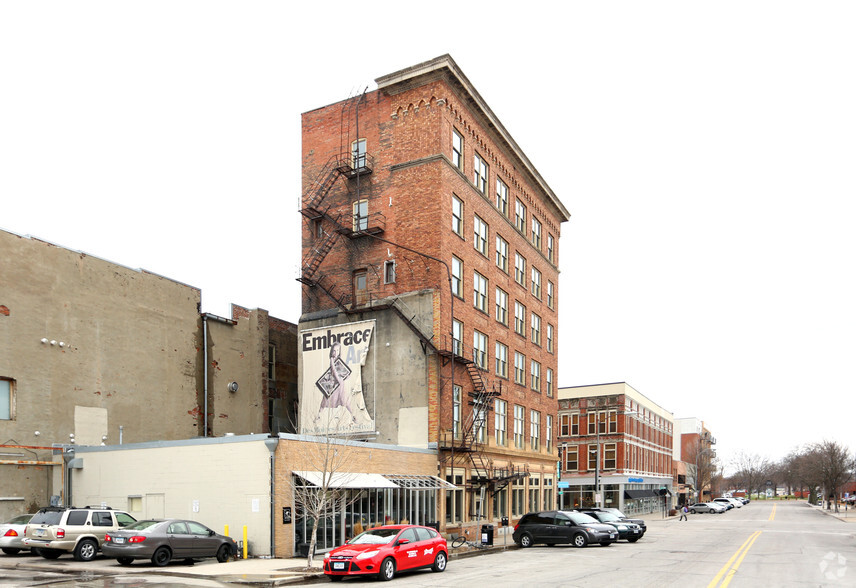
[{"x": 339, "y": 396}]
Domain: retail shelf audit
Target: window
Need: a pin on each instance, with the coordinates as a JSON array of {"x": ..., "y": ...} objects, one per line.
[
  {"x": 502, "y": 306},
  {"x": 502, "y": 254},
  {"x": 271, "y": 366},
  {"x": 536, "y": 329},
  {"x": 480, "y": 291},
  {"x": 613, "y": 421},
  {"x": 551, "y": 248},
  {"x": 457, "y": 277},
  {"x": 457, "y": 150},
  {"x": 500, "y": 503},
  {"x": 609, "y": 454},
  {"x": 575, "y": 424},
  {"x": 361, "y": 215},
  {"x": 519, "y": 318},
  {"x": 550, "y": 297},
  {"x": 536, "y": 283},
  {"x": 455, "y": 499},
  {"x": 517, "y": 494},
  {"x": 480, "y": 349},
  {"x": 457, "y": 215},
  {"x": 550, "y": 382},
  {"x": 500, "y": 419},
  {"x": 501, "y": 360},
  {"x": 592, "y": 457},
  {"x": 550, "y": 338},
  {"x": 518, "y": 425},
  {"x": 479, "y": 421},
  {"x": 389, "y": 271},
  {"x": 592, "y": 423},
  {"x": 480, "y": 173},
  {"x": 361, "y": 292},
  {"x": 456, "y": 412},
  {"x": 520, "y": 216},
  {"x": 535, "y": 430},
  {"x": 534, "y": 493},
  {"x": 457, "y": 337},
  {"x": 480, "y": 235},
  {"x": 601, "y": 419},
  {"x": 519, "y": 368},
  {"x": 572, "y": 462},
  {"x": 519, "y": 269},
  {"x": 535, "y": 372},
  {"x": 501, "y": 197},
  {"x": 548, "y": 490},
  {"x": 358, "y": 154},
  {"x": 536, "y": 233},
  {"x": 6, "y": 400},
  {"x": 564, "y": 425}
]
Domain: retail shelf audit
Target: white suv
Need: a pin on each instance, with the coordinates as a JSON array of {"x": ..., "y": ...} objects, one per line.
[{"x": 55, "y": 530}]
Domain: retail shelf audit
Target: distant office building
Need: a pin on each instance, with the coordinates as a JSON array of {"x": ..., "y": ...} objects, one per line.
[
  {"x": 693, "y": 448},
  {"x": 430, "y": 299},
  {"x": 616, "y": 449}
]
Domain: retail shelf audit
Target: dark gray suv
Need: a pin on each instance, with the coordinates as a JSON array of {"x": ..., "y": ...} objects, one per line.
[{"x": 561, "y": 526}]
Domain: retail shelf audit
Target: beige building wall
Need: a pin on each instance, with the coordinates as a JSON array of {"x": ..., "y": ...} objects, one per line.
[
  {"x": 296, "y": 453},
  {"x": 216, "y": 481}
]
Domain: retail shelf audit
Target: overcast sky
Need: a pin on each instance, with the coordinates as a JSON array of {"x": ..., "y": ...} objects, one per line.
[{"x": 705, "y": 150}]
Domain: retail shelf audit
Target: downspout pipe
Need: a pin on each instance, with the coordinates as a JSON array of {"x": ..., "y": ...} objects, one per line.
[
  {"x": 225, "y": 321},
  {"x": 271, "y": 443}
]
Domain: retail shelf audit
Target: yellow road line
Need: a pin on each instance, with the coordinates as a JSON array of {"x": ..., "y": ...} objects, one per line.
[
  {"x": 733, "y": 570},
  {"x": 773, "y": 514},
  {"x": 743, "y": 549}
]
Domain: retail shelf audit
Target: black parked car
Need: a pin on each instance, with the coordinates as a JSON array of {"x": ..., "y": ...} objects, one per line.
[
  {"x": 561, "y": 526},
  {"x": 620, "y": 515},
  {"x": 626, "y": 530}
]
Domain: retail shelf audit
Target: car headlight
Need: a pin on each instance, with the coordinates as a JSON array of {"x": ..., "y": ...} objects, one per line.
[{"x": 368, "y": 554}]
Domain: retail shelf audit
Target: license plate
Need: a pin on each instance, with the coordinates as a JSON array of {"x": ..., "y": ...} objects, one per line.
[
  {"x": 612, "y": 535},
  {"x": 118, "y": 539},
  {"x": 338, "y": 565},
  {"x": 39, "y": 532}
]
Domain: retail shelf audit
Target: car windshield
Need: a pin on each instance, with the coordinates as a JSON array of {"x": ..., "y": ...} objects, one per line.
[
  {"x": 607, "y": 517},
  {"x": 142, "y": 525},
  {"x": 375, "y": 537},
  {"x": 581, "y": 518},
  {"x": 618, "y": 513}
]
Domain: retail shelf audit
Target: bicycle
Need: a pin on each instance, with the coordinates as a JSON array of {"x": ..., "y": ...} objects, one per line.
[{"x": 462, "y": 540}]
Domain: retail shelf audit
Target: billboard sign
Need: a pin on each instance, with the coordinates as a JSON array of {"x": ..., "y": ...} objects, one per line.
[{"x": 331, "y": 390}]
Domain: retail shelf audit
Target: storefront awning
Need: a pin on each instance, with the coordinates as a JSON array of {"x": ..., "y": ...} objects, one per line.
[
  {"x": 347, "y": 480},
  {"x": 631, "y": 494},
  {"x": 414, "y": 482}
]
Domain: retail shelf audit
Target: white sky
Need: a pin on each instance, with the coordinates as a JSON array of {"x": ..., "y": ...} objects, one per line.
[{"x": 705, "y": 150}]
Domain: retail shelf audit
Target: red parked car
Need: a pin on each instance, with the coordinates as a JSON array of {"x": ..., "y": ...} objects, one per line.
[{"x": 382, "y": 551}]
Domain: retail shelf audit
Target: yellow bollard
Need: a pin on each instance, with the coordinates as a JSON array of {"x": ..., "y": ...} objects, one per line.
[
  {"x": 226, "y": 531},
  {"x": 245, "y": 541}
]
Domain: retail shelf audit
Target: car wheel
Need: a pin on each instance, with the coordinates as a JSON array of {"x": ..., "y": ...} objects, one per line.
[
  {"x": 692, "y": 511},
  {"x": 161, "y": 556},
  {"x": 580, "y": 540},
  {"x": 125, "y": 561},
  {"x": 387, "y": 569},
  {"x": 526, "y": 540},
  {"x": 50, "y": 553},
  {"x": 439, "y": 562},
  {"x": 85, "y": 550},
  {"x": 11, "y": 550},
  {"x": 223, "y": 553}
]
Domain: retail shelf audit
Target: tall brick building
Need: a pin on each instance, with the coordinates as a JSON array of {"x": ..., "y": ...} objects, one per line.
[{"x": 428, "y": 233}]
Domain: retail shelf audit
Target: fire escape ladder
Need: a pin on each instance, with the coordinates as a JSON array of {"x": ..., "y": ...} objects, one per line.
[
  {"x": 317, "y": 192},
  {"x": 313, "y": 258},
  {"x": 400, "y": 308},
  {"x": 504, "y": 477}
]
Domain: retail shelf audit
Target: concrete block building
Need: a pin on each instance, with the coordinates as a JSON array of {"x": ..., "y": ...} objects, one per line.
[
  {"x": 430, "y": 236},
  {"x": 93, "y": 352},
  {"x": 616, "y": 449}
]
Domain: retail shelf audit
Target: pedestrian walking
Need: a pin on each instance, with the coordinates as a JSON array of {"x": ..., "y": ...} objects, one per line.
[{"x": 684, "y": 512}]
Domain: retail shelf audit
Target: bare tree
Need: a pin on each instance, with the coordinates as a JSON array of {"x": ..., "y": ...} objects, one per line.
[
  {"x": 835, "y": 464},
  {"x": 751, "y": 471},
  {"x": 325, "y": 461},
  {"x": 703, "y": 459}
]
